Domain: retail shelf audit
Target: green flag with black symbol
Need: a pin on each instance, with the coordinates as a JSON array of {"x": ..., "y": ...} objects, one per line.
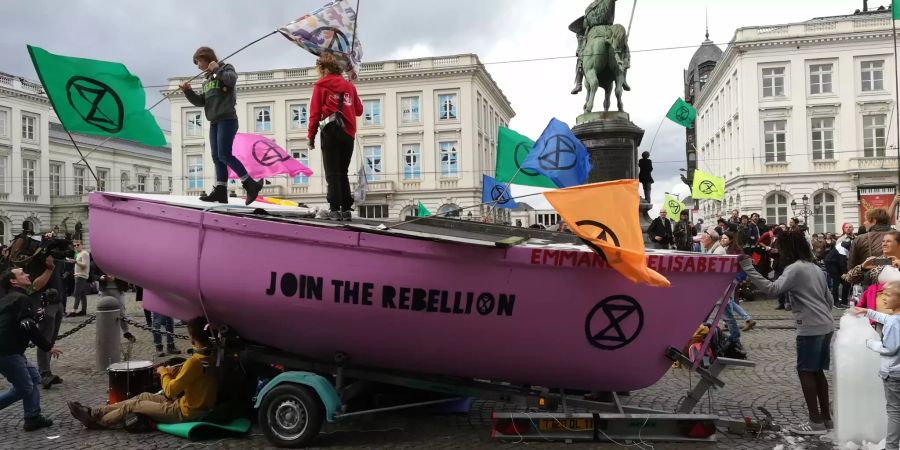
[
  {"x": 96, "y": 97},
  {"x": 512, "y": 149},
  {"x": 422, "y": 211},
  {"x": 682, "y": 113}
]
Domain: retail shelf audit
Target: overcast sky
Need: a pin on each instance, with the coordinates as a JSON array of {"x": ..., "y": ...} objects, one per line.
[{"x": 156, "y": 41}]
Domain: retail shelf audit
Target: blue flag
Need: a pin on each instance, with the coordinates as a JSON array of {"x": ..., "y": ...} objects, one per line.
[
  {"x": 560, "y": 156},
  {"x": 496, "y": 194}
]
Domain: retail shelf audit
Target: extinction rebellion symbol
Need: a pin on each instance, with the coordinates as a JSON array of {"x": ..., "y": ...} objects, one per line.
[
  {"x": 707, "y": 187},
  {"x": 267, "y": 154},
  {"x": 498, "y": 194},
  {"x": 96, "y": 103},
  {"x": 559, "y": 154},
  {"x": 674, "y": 206},
  {"x": 605, "y": 234},
  {"x": 614, "y": 322},
  {"x": 683, "y": 114},
  {"x": 524, "y": 148}
]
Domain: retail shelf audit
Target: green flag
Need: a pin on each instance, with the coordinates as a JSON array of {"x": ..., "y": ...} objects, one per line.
[
  {"x": 707, "y": 186},
  {"x": 682, "y": 113},
  {"x": 423, "y": 211},
  {"x": 674, "y": 207},
  {"x": 512, "y": 149},
  {"x": 895, "y": 9},
  {"x": 96, "y": 97}
]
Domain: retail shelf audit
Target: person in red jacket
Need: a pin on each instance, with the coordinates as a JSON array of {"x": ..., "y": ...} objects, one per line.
[{"x": 335, "y": 105}]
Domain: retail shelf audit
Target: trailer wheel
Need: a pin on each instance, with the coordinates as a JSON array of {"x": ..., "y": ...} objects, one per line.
[{"x": 290, "y": 416}]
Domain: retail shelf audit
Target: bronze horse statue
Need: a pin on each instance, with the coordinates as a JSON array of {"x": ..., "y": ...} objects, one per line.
[{"x": 604, "y": 61}]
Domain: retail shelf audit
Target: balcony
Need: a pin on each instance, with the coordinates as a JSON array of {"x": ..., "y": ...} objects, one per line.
[
  {"x": 410, "y": 185},
  {"x": 874, "y": 163},
  {"x": 69, "y": 200},
  {"x": 448, "y": 183},
  {"x": 776, "y": 167},
  {"x": 31, "y": 198},
  {"x": 273, "y": 190},
  {"x": 824, "y": 165},
  {"x": 376, "y": 185},
  {"x": 836, "y": 25}
]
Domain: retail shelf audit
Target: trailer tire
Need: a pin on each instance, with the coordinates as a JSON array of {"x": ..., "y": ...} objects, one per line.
[{"x": 291, "y": 416}]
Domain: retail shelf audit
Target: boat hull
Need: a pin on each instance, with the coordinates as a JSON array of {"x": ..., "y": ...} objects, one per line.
[{"x": 540, "y": 315}]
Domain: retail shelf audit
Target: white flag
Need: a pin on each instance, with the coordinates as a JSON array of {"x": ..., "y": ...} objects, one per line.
[{"x": 331, "y": 28}]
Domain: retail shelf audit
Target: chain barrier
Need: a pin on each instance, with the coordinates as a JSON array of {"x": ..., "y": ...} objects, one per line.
[
  {"x": 150, "y": 329},
  {"x": 74, "y": 330}
]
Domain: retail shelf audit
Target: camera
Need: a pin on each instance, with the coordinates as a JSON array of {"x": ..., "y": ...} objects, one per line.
[{"x": 57, "y": 247}]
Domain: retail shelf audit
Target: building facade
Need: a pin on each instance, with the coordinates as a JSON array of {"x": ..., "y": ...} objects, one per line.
[
  {"x": 803, "y": 110},
  {"x": 695, "y": 78},
  {"x": 43, "y": 179},
  {"x": 428, "y": 133}
]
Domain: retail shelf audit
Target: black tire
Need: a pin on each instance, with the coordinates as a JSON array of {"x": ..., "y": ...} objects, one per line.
[{"x": 291, "y": 416}]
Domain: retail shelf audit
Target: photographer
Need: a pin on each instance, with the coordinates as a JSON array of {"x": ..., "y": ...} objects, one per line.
[{"x": 49, "y": 299}]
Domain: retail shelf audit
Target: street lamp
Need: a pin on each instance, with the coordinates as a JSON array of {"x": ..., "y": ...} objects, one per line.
[{"x": 804, "y": 208}]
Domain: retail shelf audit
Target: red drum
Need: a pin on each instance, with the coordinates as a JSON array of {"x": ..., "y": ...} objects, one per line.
[{"x": 130, "y": 378}]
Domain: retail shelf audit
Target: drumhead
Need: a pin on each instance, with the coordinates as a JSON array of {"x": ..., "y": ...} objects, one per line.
[{"x": 126, "y": 366}]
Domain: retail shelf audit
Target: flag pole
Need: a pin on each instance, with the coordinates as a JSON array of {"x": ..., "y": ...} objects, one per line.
[
  {"x": 896, "y": 95},
  {"x": 505, "y": 191},
  {"x": 91, "y": 169},
  {"x": 631, "y": 20}
]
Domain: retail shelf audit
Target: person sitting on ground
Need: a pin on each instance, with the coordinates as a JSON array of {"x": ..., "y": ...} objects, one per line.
[
  {"x": 811, "y": 309},
  {"x": 195, "y": 382}
]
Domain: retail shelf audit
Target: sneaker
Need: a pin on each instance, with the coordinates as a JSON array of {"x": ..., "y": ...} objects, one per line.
[
  {"x": 322, "y": 214},
  {"x": 130, "y": 337},
  {"x": 829, "y": 424},
  {"x": 335, "y": 215},
  {"x": 748, "y": 325},
  {"x": 345, "y": 216},
  {"x": 809, "y": 429},
  {"x": 36, "y": 423}
]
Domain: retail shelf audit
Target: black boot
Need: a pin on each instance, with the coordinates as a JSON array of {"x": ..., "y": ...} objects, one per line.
[
  {"x": 36, "y": 423},
  {"x": 252, "y": 187},
  {"x": 218, "y": 194}
]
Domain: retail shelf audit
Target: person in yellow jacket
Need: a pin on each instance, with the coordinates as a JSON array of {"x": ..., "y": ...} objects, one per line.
[{"x": 189, "y": 391}]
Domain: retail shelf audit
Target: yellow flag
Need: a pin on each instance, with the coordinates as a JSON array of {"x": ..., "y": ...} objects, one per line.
[
  {"x": 674, "y": 207},
  {"x": 707, "y": 186},
  {"x": 605, "y": 216}
]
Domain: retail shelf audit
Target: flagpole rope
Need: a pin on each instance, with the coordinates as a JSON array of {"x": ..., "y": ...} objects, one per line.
[
  {"x": 71, "y": 138},
  {"x": 656, "y": 134}
]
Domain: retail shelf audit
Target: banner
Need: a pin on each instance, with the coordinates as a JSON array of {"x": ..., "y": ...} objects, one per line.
[
  {"x": 605, "y": 216},
  {"x": 560, "y": 156},
  {"x": 328, "y": 29},
  {"x": 707, "y": 186},
  {"x": 496, "y": 194},
  {"x": 99, "y": 98},
  {"x": 673, "y": 207},
  {"x": 682, "y": 113},
  {"x": 263, "y": 158},
  {"x": 871, "y": 197},
  {"x": 512, "y": 149}
]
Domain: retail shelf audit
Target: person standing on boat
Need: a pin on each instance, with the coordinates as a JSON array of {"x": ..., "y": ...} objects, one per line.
[
  {"x": 660, "y": 231},
  {"x": 335, "y": 106},
  {"x": 804, "y": 282},
  {"x": 218, "y": 101}
]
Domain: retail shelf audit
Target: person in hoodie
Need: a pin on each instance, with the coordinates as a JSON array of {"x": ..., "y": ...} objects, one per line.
[
  {"x": 218, "y": 101},
  {"x": 335, "y": 106}
]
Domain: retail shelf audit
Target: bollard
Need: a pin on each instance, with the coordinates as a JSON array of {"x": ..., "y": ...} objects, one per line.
[{"x": 109, "y": 343}]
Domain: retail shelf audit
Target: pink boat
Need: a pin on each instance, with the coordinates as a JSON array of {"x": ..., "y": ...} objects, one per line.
[{"x": 489, "y": 305}]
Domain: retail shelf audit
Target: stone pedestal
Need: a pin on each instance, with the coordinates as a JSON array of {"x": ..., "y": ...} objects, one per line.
[{"x": 612, "y": 140}]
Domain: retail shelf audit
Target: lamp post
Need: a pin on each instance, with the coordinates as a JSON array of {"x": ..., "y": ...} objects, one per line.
[{"x": 804, "y": 209}]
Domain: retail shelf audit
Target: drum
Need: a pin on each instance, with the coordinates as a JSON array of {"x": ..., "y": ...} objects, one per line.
[{"x": 130, "y": 378}]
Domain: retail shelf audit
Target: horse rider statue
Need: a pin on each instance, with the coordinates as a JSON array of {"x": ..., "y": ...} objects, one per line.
[{"x": 602, "y": 50}]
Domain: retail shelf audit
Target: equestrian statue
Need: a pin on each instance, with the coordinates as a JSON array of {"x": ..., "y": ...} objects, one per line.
[{"x": 603, "y": 55}]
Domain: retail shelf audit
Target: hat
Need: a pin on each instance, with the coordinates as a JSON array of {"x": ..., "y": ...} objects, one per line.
[{"x": 711, "y": 231}]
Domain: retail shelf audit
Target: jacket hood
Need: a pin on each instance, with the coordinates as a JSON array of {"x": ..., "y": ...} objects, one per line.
[{"x": 334, "y": 83}]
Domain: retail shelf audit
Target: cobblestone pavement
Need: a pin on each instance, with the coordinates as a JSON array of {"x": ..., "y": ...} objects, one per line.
[{"x": 772, "y": 384}]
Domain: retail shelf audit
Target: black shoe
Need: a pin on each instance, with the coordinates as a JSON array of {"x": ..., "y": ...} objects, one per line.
[
  {"x": 345, "y": 216},
  {"x": 780, "y": 307},
  {"x": 36, "y": 423},
  {"x": 83, "y": 414},
  {"x": 159, "y": 351},
  {"x": 130, "y": 337},
  {"x": 173, "y": 351},
  {"x": 48, "y": 380},
  {"x": 252, "y": 187},
  {"x": 218, "y": 194}
]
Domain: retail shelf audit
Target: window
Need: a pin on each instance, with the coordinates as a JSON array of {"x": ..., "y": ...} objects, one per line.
[
  {"x": 448, "y": 210},
  {"x": 776, "y": 147},
  {"x": 157, "y": 184},
  {"x": 29, "y": 127},
  {"x": 79, "y": 180},
  {"x": 412, "y": 161},
  {"x": 373, "y": 211},
  {"x": 372, "y": 112},
  {"x": 824, "y": 212},
  {"x": 263, "y": 115},
  {"x": 447, "y": 105},
  {"x": 372, "y": 154},
  {"x": 195, "y": 172},
  {"x": 776, "y": 209},
  {"x": 820, "y": 79},
  {"x": 3, "y": 167},
  {"x": 142, "y": 183},
  {"x": 873, "y": 136},
  {"x": 193, "y": 127},
  {"x": 409, "y": 109},
  {"x": 4, "y": 123},
  {"x": 125, "y": 180},
  {"x": 773, "y": 82},
  {"x": 55, "y": 179},
  {"x": 872, "y": 76},
  {"x": 29, "y": 172},
  {"x": 548, "y": 219},
  {"x": 449, "y": 159},
  {"x": 823, "y": 138},
  {"x": 302, "y": 157},
  {"x": 299, "y": 116},
  {"x": 103, "y": 179}
]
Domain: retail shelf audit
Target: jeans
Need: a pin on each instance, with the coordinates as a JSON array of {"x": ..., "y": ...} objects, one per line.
[
  {"x": 337, "y": 149},
  {"x": 81, "y": 287},
  {"x": 53, "y": 315},
  {"x": 738, "y": 311},
  {"x": 892, "y": 395},
  {"x": 25, "y": 380},
  {"x": 221, "y": 139},
  {"x": 734, "y": 331},
  {"x": 160, "y": 320}
]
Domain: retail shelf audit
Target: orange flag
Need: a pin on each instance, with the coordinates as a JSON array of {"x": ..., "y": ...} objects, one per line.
[{"x": 605, "y": 215}]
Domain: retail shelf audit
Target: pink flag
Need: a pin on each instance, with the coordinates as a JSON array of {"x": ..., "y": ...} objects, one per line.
[{"x": 264, "y": 158}]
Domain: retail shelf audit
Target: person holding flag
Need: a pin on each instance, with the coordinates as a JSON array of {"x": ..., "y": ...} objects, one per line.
[
  {"x": 218, "y": 102},
  {"x": 335, "y": 105}
]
